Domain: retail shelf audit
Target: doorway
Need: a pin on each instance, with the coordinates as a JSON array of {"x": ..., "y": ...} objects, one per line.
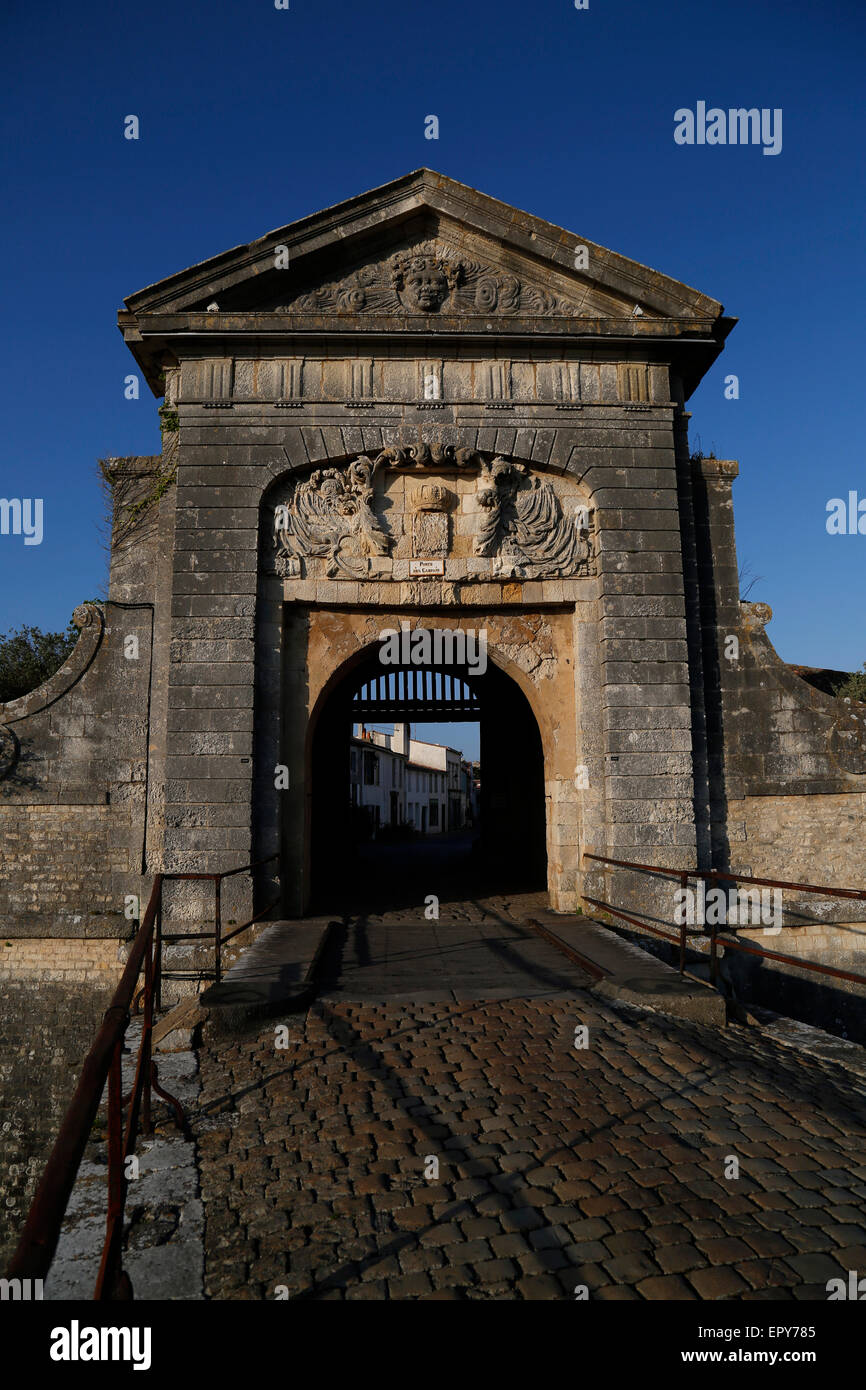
[{"x": 375, "y": 839}]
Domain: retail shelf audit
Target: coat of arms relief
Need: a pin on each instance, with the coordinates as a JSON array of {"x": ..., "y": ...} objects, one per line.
[{"x": 513, "y": 523}]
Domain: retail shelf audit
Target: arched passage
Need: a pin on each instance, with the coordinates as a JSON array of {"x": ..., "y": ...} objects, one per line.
[{"x": 506, "y": 847}]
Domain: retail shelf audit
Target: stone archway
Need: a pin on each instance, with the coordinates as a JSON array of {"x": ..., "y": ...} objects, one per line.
[
  {"x": 507, "y": 850},
  {"x": 343, "y": 559}
]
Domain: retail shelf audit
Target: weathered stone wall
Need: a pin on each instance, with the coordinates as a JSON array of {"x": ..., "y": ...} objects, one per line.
[
  {"x": 823, "y": 837},
  {"x": 809, "y": 838},
  {"x": 46, "y": 1029},
  {"x": 779, "y": 770},
  {"x": 779, "y": 776},
  {"x": 429, "y": 383},
  {"x": 65, "y": 959},
  {"x": 671, "y": 735},
  {"x": 81, "y": 758},
  {"x": 72, "y": 800},
  {"x": 787, "y": 763}
]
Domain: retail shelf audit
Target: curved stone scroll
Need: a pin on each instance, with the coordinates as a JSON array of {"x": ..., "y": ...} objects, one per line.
[
  {"x": 10, "y": 751},
  {"x": 423, "y": 455},
  {"x": 90, "y": 620}
]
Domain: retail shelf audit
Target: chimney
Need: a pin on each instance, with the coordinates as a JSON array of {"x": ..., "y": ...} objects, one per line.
[{"x": 400, "y": 738}]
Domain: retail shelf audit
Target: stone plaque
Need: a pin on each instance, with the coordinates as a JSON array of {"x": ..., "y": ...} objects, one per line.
[{"x": 427, "y": 567}]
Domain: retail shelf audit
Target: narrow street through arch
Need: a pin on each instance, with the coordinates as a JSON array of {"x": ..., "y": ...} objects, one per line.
[{"x": 504, "y": 847}]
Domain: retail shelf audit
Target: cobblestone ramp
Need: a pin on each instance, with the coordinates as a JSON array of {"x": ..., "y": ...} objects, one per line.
[{"x": 559, "y": 1167}]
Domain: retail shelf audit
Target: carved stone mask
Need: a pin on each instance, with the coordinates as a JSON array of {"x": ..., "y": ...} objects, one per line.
[
  {"x": 426, "y": 289},
  {"x": 423, "y": 282}
]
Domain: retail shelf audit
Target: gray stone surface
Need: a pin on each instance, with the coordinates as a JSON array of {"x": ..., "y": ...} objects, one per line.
[
  {"x": 275, "y": 972},
  {"x": 164, "y": 1221},
  {"x": 631, "y": 975},
  {"x": 492, "y": 957}
]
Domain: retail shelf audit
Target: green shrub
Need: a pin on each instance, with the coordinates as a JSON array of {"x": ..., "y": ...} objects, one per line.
[
  {"x": 29, "y": 656},
  {"x": 853, "y": 687}
]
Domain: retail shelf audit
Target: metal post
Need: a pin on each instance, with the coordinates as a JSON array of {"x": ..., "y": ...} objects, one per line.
[
  {"x": 684, "y": 883},
  {"x": 218, "y": 931},
  {"x": 108, "y": 1283},
  {"x": 146, "y": 1030},
  {"x": 714, "y": 959},
  {"x": 158, "y": 951}
]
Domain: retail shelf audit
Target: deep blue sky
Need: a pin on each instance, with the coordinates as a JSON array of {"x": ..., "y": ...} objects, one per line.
[{"x": 252, "y": 117}]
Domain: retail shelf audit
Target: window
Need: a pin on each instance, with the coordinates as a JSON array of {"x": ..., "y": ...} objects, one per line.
[
  {"x": 434, "y": 812},
  {"x": 371, "y": 770}
]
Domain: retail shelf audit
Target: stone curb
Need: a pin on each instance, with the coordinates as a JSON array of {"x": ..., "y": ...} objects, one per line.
[
  {"x": 623, "y": 972},
  {"x": 256, "y": 986}
]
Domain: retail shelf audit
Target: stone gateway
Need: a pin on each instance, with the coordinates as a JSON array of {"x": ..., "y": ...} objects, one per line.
[{"x": 411, "y": 410}]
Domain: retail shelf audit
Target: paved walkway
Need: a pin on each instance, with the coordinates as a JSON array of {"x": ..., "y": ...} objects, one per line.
[
  {"x": 608, "y": 1167},
  {"x": 431, "y": 962}
]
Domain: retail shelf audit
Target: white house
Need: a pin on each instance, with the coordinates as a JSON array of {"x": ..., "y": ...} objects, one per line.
[{"x": 400, "y": 779}]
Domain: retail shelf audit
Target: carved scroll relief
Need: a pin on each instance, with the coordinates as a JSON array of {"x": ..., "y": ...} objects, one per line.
[
  {"x": 430, "y": 277},
  {"x": 330, "y": 509}
]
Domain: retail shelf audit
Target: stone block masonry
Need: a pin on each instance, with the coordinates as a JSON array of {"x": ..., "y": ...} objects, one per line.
[{"x": 63, "y": 960}]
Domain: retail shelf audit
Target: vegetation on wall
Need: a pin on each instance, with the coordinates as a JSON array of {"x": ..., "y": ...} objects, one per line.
[
  {"x": 853, "y": 687},
  {"x": 130, "y": 493}
]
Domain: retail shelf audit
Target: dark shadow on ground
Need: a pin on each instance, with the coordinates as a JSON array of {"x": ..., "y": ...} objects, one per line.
[
  {"x": 387, "y": 875},
  {"x": 427, "y": 959}
]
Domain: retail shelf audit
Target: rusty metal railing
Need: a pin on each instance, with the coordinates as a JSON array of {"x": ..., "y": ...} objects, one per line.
[
  {"x": 38, "y": 1243},
  {"x": 216, "y": 935},
  {"x": 716, "y": 940}
]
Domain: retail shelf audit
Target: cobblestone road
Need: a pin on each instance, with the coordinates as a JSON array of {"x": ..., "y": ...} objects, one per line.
[{"x": 607, "y": 1166}]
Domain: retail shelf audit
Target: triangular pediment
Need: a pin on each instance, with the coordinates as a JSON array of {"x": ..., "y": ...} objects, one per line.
[
  {"x": 425, "y": 246},
  {"x": 450, "y": 271}
]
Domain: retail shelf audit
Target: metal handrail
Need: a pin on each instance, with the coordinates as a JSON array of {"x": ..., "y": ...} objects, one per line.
[
  {"x": 728, "y": 875},
  {"x": 217, "y": 934},
  {"x": 37, "y": 1245},
  {"x": 858, "y": 893}
]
